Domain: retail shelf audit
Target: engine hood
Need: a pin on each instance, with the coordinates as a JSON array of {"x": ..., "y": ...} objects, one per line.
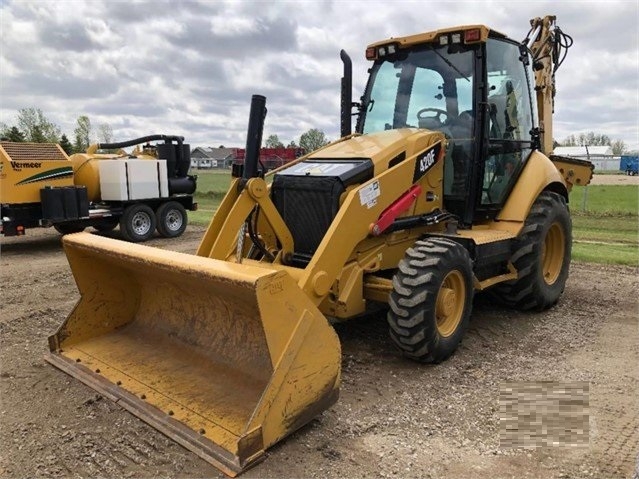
[{"x": 381, "y": 147}]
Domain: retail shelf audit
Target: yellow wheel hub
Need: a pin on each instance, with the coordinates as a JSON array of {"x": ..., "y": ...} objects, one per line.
[
  {"x": 450, "y": 303},
  {"x": 552, "y": 253}
]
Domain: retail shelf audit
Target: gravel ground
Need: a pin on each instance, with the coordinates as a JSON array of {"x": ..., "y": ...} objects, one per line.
[{"x": 394, "y": 418}]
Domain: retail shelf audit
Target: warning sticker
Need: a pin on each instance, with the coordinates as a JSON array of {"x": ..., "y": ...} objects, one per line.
[{"x": 368, "y": 195}]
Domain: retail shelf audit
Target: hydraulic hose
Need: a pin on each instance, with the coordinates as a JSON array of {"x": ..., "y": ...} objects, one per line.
[
  {"x": 144, "y": 139},
  {"x": 137, "y": 141}
]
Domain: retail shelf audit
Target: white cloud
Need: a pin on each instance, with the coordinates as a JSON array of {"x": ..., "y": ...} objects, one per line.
[
  {"x": 190, "y": 67},
  {"x": 230, "y": 27}
]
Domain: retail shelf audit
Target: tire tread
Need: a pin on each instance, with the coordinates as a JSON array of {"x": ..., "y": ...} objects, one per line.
[
  {"x": 528, "y": 291},
  {"x": 411, "y": 316}
]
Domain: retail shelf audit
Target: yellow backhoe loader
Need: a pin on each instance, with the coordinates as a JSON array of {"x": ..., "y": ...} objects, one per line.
[{"x": 448, "y": 187}]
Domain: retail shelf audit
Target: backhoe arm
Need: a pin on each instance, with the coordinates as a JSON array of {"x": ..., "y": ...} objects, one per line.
[{"x": 548, "y": 45}]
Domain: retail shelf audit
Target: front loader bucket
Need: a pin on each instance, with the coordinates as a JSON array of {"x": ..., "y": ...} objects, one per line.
[{"x": 225, "y": 358}]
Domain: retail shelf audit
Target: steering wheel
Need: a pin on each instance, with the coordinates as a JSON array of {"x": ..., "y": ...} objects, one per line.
[{"x": 439, "y": 112}]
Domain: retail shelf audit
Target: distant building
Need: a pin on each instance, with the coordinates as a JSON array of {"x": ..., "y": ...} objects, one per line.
[
  {"x": 600, "y": 156},
  {"x": 206, "y": 157},
  {"x": 272, "y": 158},
  {"x": 584, "y": 151}
]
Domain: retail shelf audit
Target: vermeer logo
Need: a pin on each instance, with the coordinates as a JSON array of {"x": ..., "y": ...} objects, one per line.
[
  {"x": 18, "y": 165},
  {"x": 425, "y": 161}
]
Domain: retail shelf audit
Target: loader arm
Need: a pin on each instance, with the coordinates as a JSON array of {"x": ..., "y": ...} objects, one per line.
[{"x": 222, "y": 235}]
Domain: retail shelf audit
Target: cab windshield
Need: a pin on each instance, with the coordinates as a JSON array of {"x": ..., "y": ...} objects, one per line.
[{"x": 430, "y": 87}]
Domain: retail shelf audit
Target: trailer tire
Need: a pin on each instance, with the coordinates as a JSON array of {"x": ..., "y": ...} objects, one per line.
[
  {"x": 541, "y": 256},
  {"x": 105, "y": 226},
  {"x": 171, "y": 219},
  {"x": 431, "y": 300},
  {"x": 137, "y": 223},
  {"x": 67, "y": 229}
]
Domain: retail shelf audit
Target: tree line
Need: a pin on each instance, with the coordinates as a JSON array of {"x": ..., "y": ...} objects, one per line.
[
  {"x": 314, "y": 139},
  {"x": 31, "y": 125},
  {"x": 309, "y": 141},
  {"x": 591, "y": 138}
]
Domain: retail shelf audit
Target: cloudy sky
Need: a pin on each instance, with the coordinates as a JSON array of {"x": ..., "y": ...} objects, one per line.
[{"x": 189, "y": 68}]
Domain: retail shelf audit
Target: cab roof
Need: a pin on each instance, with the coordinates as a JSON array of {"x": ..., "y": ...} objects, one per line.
[{"x": 428, "y": 37}]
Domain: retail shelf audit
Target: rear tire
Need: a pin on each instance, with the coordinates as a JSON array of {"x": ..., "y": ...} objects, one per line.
[
  {"x": 171, "y": 219},
  {"x": 431, "y": 300},
  {"x": 542, "y": 256},
  {"x": 137, "y": 223},
  {"x": 67, "y": 229}
]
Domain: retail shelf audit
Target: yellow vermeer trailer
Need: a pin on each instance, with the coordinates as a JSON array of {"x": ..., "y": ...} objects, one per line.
[{"x": 141, "y": 191}]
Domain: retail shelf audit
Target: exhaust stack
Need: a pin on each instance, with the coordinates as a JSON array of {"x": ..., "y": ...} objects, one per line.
[
  {"x": 346, "y": 94},
  {"x": 254, "y": 137}
]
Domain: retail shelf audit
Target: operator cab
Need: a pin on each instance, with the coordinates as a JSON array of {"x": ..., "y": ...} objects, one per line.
[{"x": 471, "y": 84}]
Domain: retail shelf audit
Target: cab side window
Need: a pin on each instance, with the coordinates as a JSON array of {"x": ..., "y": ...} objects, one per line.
[{"x": 510, "y": 118}]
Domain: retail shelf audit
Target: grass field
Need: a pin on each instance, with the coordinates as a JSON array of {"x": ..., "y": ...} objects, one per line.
[
  {"x": 212, "y": 182},
  {"x": 605, "y": 199},
  {"x": 606, "y": 224},
  {"x": 606, "y": 231},
  {"x": 211, "y": 188}
]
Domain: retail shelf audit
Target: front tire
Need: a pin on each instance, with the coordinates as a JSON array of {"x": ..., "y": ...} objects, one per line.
[
  {"x": 541, "y": 257},
  {"x": 171, "y": 219},
  {"x": 431, "y": 301},
  {"x": 137, "y": 223}
]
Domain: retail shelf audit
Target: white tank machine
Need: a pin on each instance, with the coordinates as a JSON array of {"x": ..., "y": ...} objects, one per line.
[{"x": 142, "y": 191}]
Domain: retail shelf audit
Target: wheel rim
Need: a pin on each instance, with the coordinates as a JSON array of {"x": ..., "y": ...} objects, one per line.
[
  {"x": 173, "y": 220},
  {"x": 552, "y": 255},
  {"x": 450, "y": 303},
  {"x": 141, "y": 223}
]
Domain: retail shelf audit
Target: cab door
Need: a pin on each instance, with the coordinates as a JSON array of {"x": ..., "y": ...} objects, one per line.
[{"x": 510, "y": 128}]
